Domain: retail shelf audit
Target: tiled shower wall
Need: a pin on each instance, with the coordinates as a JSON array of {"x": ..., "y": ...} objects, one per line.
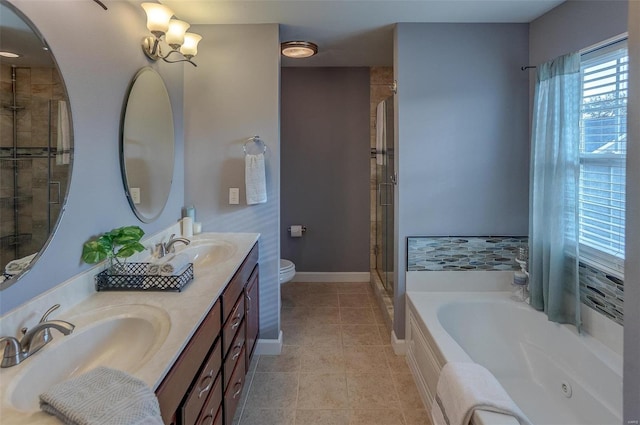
[
  {"x": 601, "y": 291},
  {"x": 381, "y": 80},
  {"x": 35, "y": 88}
]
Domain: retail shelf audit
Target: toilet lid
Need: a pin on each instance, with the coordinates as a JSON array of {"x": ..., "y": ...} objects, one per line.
[{"x": 286, "y": 265}]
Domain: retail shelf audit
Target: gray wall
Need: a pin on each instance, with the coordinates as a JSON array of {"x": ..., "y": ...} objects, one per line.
[
  {"x": 325, "y": 168},
  {"x": 632, "y": 266},
  {"x": 232, "y": 95},
  {"x": 575, "y": 25},
  {"x": 98, "y": 53},
  {"x": 462, "y": 134}
]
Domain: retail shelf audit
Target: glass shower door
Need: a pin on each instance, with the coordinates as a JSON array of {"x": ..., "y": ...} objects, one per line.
[{"x": 385, "y": 175}]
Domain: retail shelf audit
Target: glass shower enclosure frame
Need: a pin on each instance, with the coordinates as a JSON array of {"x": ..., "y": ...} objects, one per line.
[{"x": 385, "y": 188}]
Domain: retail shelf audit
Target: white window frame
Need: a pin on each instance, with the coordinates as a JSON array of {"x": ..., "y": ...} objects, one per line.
[{"x": 606, "y": 261}]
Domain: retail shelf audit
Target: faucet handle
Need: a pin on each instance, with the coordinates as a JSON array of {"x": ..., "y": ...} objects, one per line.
[{"x": 45, "y": 316}]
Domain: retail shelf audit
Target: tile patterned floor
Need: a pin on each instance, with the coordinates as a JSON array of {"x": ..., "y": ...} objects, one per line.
[{"x": 337, "y": 366}]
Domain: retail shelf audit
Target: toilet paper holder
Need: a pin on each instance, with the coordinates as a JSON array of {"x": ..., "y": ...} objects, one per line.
[{"x": 304, "y": 229}]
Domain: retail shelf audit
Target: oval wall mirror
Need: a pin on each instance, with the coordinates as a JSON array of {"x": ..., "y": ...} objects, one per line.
[
  {"x": 147, "y": 145},
  {"x": 36, "y": 144}
]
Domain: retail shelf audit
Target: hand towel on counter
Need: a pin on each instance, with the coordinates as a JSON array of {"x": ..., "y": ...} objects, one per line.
[
  {"x": 464, "y": 388},
  {"x": 175, "y": 265},
  {"x": 102, "y": 396},
  {"x": 255, "y": 179},
  {"x": 381, "y": 131},
  {"x": 17, "y": 266}
]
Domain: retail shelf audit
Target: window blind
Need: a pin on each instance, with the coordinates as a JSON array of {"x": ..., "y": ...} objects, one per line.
[{"x": 603, "y": 146}]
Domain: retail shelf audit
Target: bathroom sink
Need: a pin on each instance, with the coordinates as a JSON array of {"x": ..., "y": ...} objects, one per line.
[
  {"x": 207, "y": 253},
  {"x": 120, "y": 337}
]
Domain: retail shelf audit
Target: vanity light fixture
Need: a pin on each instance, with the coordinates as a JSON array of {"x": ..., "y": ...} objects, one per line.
[
  {"x": 298, "y": 49},
  {"x": 170, "y": 31}
]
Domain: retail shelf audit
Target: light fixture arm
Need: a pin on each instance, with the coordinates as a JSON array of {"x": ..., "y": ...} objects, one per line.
[
  {"x": 186, "y": 58},
  {"x": 151, "y": 47}
]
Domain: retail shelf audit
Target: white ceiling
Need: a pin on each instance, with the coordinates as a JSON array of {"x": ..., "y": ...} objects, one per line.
[{"x": 353, "y": 32}]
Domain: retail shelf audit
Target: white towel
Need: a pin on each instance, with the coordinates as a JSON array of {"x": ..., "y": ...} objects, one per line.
[
  {"x": 174, "y": 265},
  {"x": 381, "y": 132},
  {"x": 102, "y": 396},
  {"x": 17, "y": 266},
  {"x": 255, "y": 179},
  {"x": 466, "y": 387},
  {"x": 63, "y": 147}
]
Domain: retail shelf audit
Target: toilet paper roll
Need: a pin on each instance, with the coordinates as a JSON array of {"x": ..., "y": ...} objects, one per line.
[{"x": 296, "y": 230}]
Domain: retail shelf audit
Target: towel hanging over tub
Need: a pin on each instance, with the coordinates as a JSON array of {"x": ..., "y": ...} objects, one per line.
[
  {"x": 255, "y": 179},
  {"x": 466, "y": 387}
]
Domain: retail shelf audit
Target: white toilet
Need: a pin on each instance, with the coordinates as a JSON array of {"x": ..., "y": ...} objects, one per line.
[{"x": 287, "y": 271}]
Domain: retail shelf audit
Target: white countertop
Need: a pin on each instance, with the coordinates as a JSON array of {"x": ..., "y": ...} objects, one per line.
[{"x": 185, "y": 311}]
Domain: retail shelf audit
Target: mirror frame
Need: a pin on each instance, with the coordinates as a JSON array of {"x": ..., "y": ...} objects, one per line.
[
  {"x": 123, "y": 167},
  {"x": 63, "y": 203}
]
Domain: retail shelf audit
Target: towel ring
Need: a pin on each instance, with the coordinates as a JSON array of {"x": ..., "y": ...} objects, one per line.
[{"x": 254, "y": 140}]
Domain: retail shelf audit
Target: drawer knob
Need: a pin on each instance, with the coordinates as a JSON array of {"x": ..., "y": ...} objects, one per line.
[
  {"x": 248, "y": 303},
  {"x": 237, "y": 385}
]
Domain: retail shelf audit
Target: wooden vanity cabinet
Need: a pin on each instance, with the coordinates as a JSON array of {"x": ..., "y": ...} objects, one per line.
[{"x": 204, "y": 385}]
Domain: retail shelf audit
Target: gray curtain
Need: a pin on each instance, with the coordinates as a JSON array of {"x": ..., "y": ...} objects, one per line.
[{"x": 555, "y": 168}]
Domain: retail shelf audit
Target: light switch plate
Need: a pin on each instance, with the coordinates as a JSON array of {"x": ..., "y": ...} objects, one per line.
[
  {"x": 234, "y": 196},
  {"x": 135, "y": 194}
]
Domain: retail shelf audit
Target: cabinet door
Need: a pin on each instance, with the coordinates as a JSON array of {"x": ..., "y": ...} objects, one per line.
[{"x": 252, "y": 315}]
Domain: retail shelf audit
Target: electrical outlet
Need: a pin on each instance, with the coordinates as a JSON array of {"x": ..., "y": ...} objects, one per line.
[
  {"x": 135, "y": 194},
  {"x": 234, "y": 196}
]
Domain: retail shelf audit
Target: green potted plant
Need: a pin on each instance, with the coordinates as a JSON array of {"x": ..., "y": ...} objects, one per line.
[{"x": 115, "y": 245}]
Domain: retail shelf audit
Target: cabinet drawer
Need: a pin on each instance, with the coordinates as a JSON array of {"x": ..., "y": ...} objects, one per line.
[
  {"x": 235, "y": 352},
  {"x": 234, "y": 390},
  {"x": 233, "y": 290},
  {"x": 202, "y": 386},
  {"x": 232, "y": 325},
  {"x": 213, "y": 408},
  {"x": 175, "y": 385}
]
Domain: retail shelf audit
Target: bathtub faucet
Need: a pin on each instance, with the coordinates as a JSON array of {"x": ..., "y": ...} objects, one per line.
[{"x": 521, "y": 278}]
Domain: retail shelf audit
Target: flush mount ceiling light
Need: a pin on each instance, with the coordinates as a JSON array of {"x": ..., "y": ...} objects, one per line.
[
  {"x": 298, "y": 49},
  {"x": 171, "y": 31},
  {"x": 9, "y": 54}
]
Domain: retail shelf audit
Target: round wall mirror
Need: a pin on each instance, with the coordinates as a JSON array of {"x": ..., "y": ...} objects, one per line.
[
  {"x": 147, "y": 145},
  {"x": 36, "y": 144}
]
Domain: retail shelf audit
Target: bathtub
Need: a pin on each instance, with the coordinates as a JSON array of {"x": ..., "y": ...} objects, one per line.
[{"x": 555, "y": 375}]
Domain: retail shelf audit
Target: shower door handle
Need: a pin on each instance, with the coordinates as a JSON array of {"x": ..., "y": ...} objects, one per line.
[
  {"x": 57, "y": 201},
  {"x": 386, "y": 203}
]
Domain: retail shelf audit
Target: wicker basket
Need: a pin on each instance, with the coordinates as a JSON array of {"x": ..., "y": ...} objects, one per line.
[{"x": 136, "y": 279}]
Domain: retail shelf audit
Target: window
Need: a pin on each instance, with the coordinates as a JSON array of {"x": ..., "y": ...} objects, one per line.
[{"x": 603, "y": 147}]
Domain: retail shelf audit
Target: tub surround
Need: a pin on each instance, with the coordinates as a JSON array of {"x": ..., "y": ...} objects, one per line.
[
  {"x": 186, "y": 310},
  {"x": 464, "y": 253},
  {"x": 601, "y": 291}
]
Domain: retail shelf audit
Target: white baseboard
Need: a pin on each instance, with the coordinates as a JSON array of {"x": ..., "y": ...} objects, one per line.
[
  {"x": 269, "y": 347},
  {"x": 399, "y": 346},
  {"x": 332, "y": 277}
]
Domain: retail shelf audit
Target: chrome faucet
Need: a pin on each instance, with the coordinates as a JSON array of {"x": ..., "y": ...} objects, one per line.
[
  {"x": 14, "y": 351},
  {"x": 164, "y": 248}
]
